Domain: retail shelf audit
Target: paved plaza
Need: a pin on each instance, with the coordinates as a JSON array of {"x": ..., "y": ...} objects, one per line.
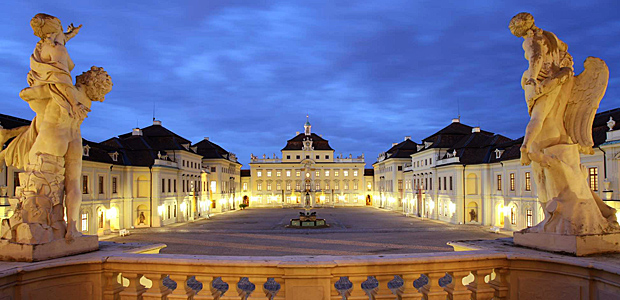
[{"x": 352, "y": 231}]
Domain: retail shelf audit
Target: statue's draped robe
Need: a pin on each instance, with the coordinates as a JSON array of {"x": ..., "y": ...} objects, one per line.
[{"x": 48, "y": 80}]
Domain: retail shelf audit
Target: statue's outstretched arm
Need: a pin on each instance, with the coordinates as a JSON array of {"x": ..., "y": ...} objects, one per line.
[{"x": 71, "y": 32}]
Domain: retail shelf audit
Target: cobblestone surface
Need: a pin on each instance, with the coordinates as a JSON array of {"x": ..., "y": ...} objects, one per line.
[{"x": 352, "y": 231}]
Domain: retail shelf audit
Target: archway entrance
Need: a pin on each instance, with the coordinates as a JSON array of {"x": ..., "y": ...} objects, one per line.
[
  {"x": 368, "y": 200},
  {"x": 246, "y": 200}
]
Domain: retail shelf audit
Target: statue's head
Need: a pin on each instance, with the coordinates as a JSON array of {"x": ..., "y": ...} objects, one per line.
[
  {"x": 521, "y": 23},
  {"x": 96, "y": 83},
  {"x": 44, "y": 24}
]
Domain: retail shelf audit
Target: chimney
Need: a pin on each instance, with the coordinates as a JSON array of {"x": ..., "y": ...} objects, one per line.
[
  {"x": 475, "y": 129},
  {"x": 136, "y": 131},
  {"x": 456, "y": 120},
  {"x": 156, "y": 122},
  {"x": 206, "y": 138},
  {"x": 408, "y": 138}
]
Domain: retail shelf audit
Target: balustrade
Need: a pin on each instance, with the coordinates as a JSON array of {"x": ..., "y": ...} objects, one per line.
[{"x": 477, "y": 275}]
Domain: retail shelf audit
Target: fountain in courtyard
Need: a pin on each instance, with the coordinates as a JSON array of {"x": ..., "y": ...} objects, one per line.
[{"x": 307, "y": 219}]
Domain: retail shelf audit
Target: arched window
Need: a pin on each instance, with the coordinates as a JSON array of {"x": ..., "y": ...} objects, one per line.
[
  {"x": 84, "y": 221},
  {"x": 513, "y": 215}
]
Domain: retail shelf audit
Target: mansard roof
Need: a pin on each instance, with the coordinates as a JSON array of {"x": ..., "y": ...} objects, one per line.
[
  {"x": 448, "y": 136},
  {"x": 211, "y": 150},
  {"x": 403, "y": 149},
  {"x": 318, "y": 143}
]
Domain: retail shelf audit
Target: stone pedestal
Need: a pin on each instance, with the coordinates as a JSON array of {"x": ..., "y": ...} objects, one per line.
[
  {"x": 58, "y": 248},
  {"x": 579, "y": 245}
]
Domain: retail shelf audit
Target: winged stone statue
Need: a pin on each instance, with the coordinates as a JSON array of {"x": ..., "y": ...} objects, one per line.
[{"x": 562, "y": 109}]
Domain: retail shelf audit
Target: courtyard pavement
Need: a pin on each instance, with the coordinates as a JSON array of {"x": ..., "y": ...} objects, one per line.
[{"x": 352, "y": 231}]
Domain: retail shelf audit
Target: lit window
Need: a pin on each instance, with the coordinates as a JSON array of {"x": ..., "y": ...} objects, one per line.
[
  {"x": 528, "y": 181},
  {"x": 326, "y": 172},
  {"x": 278, "y": 173},
  {"x": 298, "y": 173},
  {"x": 593, "y": 178},
  {"x": 114, "y": 185},
  {"x": 278, "y": 186},
  {"x": 269, "y": 186},
  {"x": 355, "y": 173},
  {"x": 84, "y": 221},
  {"x": 297, "y": 185},
  {"x": 317, "y": 174},
  {"x": 317, "y": 186},
  {"x": 346, "y": 185},
  {"x": 512, "y": 181},
  {"x": 327, "y": 185},
  {"x": 288, "y": 185},
  {"x": 499, "y": 182},
  {"x": 259, "y": 186},
  {"x": 513, "y": 215},
  {"x": 369, "y": 186},
  {"x": 336, "y": 173},
  {"x": 288, "y": 173},
  {"x": 355, "y": 185},
  {"x": 268, "y": 173},
  {"x": 259, "y": 173},
  {"x": 528, "y": 218},
  {"x": 213, "y": 186},
  {"x": 245, "y": 186},
  {"x": 345, "y": 173}
]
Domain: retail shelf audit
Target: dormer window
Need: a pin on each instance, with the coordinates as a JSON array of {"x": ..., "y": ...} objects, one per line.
[
  {"x": 186, "y": 146},
  {"x": 427, "y": 144},
  {"x": 85, "y": 150},
  {"x": 114, "y": 156},
  {"x": 498, "y": 153}
]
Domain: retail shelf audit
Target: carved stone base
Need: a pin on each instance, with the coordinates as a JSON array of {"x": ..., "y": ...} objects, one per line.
[
  {"x": 579, "y": 245},
  {"x": 58, "y": 248}
]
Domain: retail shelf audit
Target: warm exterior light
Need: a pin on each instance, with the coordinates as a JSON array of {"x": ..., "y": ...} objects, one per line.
[
  {"x": 322, "y": 197},
  {"x": 112, "y": 213},
  {"x": 183, "y": 207},
  {"x": 161, "y": 209},
  {"x": 452, "y": 207}
]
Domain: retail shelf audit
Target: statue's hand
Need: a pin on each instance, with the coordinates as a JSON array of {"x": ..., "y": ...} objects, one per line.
[
  {"x": 525, "y": 157},
  {"x": 73, "y": 30},
  {"x": 80, "y": 111}
]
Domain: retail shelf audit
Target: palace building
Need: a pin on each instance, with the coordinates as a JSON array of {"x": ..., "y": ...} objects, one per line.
[
  {"x": 149, "y": 177},
  {"x": 307, "y": 173},
  {"x": 464, "y": 175}
]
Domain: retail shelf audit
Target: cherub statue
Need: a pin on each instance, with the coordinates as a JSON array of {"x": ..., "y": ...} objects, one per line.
[
  {"x": 50, "y": 149},
  {"x": 562, "y": 109}
]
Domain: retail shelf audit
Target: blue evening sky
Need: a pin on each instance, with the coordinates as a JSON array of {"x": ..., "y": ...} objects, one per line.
[{"x": 246, "y": 73}]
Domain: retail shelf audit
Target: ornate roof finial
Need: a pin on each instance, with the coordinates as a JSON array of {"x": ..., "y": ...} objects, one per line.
[
  {"x": 611, "y": 123},
  {"x": 307, "y": 126}
]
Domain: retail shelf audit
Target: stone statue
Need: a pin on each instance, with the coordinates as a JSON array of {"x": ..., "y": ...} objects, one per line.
[
  {"x": 562, "y": 108},
  {"x": 49, "y": 150}
]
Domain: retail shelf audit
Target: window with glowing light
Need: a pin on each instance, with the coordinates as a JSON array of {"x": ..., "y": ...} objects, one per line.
[
  {"x": 528, "y": 217},
  {"x": 499, "y": 182},
  {"x": 288, "y": 173},
  {"x": 528, "y": 181},
  {"x": 345, "y": 173},
  {"x": 278, "y": 173},
  {"x": 84, "y": 184},
  {"x": 278, "y": 186},
  {"x": 317, "y": 173},
  {"x": 259, "y": 186},
  {"x": 288, "y": 185},
  {"x": 326, "y": 172},
  {"x": 297, "y": 173},
  {"x": 268, "y": 173},
  {"x": 269, "y": 186},
  {"x": 593, "y": 178},
  {"x": 336, "y": 173},
  {"x": 84, "y": 221},
  {"x": 513, "y": 215},
  {"x": 245, "y": 186},
  {"x": 512, "y": 181},
  {"x": 259, "y": 173}
]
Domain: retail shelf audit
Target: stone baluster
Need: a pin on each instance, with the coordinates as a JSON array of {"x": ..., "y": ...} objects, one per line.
[
  {"x": 432, "y": 290},
  {"x": 500, "y": 284},
  {"x": 344, "y": 286},
  {"x": 357, "y": 292},
  {"x": 409, "y": 292},
  {"x": 245, "y": 288},
  {"x": 480, "y": 290},
  {"x": 456, "y": 290},
  {"x": 158, "y": 290},
  {"x": 218, "y": 288},
  {"x": 112, "y": 287},
  {"x": 383, "y": 290},
  {"x": 271, "y": 288},
  {"x": 371, "y": 287},
  {"x": 206, "y": 293},
  {"x": 183, "y": 291},
  {"x": 135, "y": 289},
  {"x": 232, "y": 281}
]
